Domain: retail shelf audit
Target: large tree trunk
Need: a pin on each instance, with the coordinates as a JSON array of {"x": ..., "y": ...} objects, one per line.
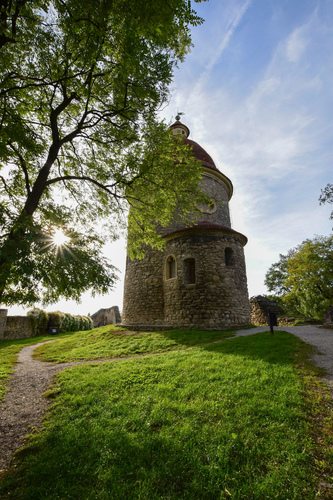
[{"x": 17, "y": 243}]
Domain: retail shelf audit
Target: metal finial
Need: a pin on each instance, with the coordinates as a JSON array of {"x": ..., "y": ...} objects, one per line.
[{"x": 179, "y": 114}]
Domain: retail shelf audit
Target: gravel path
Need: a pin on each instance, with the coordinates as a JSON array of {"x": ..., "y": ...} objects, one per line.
[{"x": 23, "y": 406}]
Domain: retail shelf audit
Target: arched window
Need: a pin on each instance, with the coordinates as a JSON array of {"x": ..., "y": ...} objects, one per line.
[
  {"x": 171, "y": 269},
  {"x": 229, "y": 256},
  {"x": 189, "y": 271}
]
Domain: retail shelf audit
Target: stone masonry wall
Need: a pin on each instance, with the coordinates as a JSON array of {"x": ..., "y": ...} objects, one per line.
[
  {"x": 18, "y": 327},
  {"x": 219, "y": 296},
  {"x": 110, "y": 316},
  {"x": 259, "y": 309},
  {"x": 217, "y": 191},
  {"x": 220, "y": 215},
  {"x": 143, "y": 290},
  {"x": 3, "y": 318},
  {"x": 217, "y": 299}
]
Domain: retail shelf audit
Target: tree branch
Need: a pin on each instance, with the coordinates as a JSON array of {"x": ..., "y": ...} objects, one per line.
[
  {"x": 42, "y": 82},
  {"x": 80, "y": 19},
  {"x": 23, "y": 166},
  {"x": 105, "y": 187},
  {"x": 54, "y": 115}
]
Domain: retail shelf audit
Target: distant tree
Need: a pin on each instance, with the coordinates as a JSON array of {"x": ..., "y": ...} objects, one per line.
[
  {"x": 304, "y": 277},
  {"x": 80, "y": 85},
  {"x": 327, "y": 196}
]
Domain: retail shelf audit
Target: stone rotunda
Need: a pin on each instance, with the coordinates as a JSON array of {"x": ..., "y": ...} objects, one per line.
[{"x": 199, "y": 280}]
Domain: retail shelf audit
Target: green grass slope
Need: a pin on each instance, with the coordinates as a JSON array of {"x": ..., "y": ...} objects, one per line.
[
  {"x": 219, "y": 421},
  {"x": 113, "y": 342}
]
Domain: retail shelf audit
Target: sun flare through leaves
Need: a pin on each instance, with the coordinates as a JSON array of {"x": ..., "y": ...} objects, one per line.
[{"x": 59, "y": 238}]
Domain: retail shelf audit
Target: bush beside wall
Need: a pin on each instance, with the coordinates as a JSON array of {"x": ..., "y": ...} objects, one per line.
[
  {"x": 65, "y": 322},
  {"x": 39, "y": 320}
]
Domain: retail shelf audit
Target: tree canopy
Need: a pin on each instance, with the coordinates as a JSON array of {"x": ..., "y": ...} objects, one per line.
[
  {"x": 304, "y": 277},
  {"x": 80, "y": 87}
]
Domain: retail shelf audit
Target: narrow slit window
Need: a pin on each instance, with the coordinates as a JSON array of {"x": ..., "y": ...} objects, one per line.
[
  {"x": 189, "y": 271},
  {"x": 170, "y": 267},
  {"x": 229, "y": 256}
]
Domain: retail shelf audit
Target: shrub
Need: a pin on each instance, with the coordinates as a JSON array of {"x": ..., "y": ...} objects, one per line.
[
  {"x": 69, "y": 323},
  {"x": 87, "y": 323},
  {"x": 55, "y": 319},
  {"x": 39, "y": 320}
]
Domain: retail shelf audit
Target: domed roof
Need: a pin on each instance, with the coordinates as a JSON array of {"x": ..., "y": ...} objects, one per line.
[{"x": 200, "y": 154}]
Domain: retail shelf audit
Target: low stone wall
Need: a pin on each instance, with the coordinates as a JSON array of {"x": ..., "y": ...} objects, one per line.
[
  {"x": 328, "y": 317},
  {"x": 110, "y": 316},
  {"x": 18, "y": 327},
  {"x": 259, "y": 310},
  {"x": 3, "y": 319}
]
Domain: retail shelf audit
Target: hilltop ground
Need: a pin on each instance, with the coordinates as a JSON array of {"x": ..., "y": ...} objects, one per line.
[{"x": 24, "y": 407}]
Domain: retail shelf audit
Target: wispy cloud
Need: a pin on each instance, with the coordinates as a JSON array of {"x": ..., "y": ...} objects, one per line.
[
  {"x": 272, "y": 138},
  {"x": 228, "y": 31},
  {"x": 296, "y": 45}
]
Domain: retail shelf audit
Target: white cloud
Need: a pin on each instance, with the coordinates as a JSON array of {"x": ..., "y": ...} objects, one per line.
[
  {"x": 296, "y": 45},
  {"x": 230, "y": 29},
  {"x": 271, "y": 141},
  {"x": 227, "y": 31}
]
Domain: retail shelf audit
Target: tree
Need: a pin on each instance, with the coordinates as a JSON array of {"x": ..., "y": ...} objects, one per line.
[
  {"x": 81, "y": 83},
  {"x": 304, "y": 277},
  {"x": 327, "y": 196},
  {"x": 15, "y": 15}
]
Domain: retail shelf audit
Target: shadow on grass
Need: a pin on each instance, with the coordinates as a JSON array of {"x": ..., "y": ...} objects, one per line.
[
  {"x": 274, "y": 348},
  {"x": 191, "y": 338},
  {"x": 281, "y": 348},
  {"x": 91, "y": 465},
  {"x": 190, "y": 438}
]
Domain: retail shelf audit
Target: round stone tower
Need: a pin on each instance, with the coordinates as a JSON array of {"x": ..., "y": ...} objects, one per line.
[{"x": 199, "y": 280}]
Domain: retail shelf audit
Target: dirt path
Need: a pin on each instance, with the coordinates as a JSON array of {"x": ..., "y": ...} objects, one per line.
[{"x": 24, "y": 406}]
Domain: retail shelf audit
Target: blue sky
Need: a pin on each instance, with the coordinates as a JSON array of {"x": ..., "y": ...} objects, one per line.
[{"x": 257, "y": 94}]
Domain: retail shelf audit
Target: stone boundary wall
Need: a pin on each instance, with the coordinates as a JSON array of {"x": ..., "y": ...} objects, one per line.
[
  {"x": 15, "y": 327},
  {"x": 18, "y": 327},
  {"x": 259, "y": 309},
  {"x": 328, "y": 317},
  {"x": 3, "y": 319},
  {"x": 110, "y": 316}
]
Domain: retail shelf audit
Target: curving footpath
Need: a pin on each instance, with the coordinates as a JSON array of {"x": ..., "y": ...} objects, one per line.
[{"x": 24, "y": 406}]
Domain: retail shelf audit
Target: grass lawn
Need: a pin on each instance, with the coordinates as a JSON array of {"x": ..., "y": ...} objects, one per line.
[
  {"x": 236, "y": 419},
  {"x": 113, "y": 342}
]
